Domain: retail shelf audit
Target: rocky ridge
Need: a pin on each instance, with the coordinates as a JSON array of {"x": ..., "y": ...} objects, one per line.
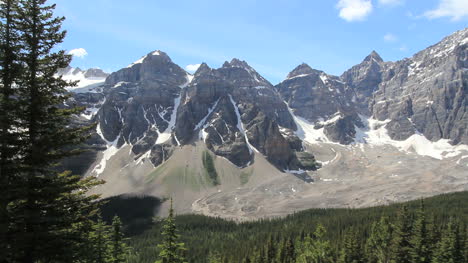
[{"x": 154, "y": 107}]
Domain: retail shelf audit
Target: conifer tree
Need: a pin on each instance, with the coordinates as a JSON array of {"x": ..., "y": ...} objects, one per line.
[
  {"x": 351, "y": 250},
  {"x": 287, "y": 254},
  {"x": 100, "y": 242},
  {"x": 50, "y": 206},
  {"x": 420, "y": 240},
  {"x": 449, "y": 248},
  {"x": 117, "y": 247},
  {"x": 214, "y": 257},
  {"x": 466, "y": 244},
  {"x": 247, "y": 260},
  {"x": 261, "y": 256},
  {"x": 401, "y": 245},
  {"x": 316, "y": 249},
  {"x": 271, "y": 250},
  {"x": 171, "y": 250},
  {"x": 379, "y": 242},
  {"x": 9, "y": 71}
]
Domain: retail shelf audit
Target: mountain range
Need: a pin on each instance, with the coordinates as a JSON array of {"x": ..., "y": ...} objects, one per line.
[{"x": 227, "y": 142}]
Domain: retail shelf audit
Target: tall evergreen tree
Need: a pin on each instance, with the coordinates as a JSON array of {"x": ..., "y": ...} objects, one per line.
[
  {"x": 351, "y": 250},
  {"x": 271, "y": 250},
  {"x": 46, "y": 214},
  {"x": 316, "y": 249},
  {"x": 287, "y": 254},
  {"x": 421, "y": 238},
  {"x": 450, "y": 248},
  {"x": 9, "y": 139},
  {"x": 378, "y": 244},
  {"x": 99, "y": 242},
  {"x": 171, "y": 250},
  {"x": 117, "y": 246},
  {"x": 401, "y": 246},
  {"x": 466, "y": 244}
]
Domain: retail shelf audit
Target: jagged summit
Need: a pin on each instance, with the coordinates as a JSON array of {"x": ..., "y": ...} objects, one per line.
[
  {"x": 373, "y": 56},
  {"x": 87, "y": 79},
  {"x": 236, "y": 63},
  {"x": 204, "y": 68},
  {"x": 156, "y": 65},
  {"x": 156, "y": 125},
  {"x": 303, "y": 69},
  {"x": 157, "y": 54}
]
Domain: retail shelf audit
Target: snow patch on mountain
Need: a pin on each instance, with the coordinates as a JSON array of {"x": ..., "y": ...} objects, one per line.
[
  {"x": 164, "y": 136},
  {"x": 203, "y": 121},
  {"x": 306, "y": 130},
  {"x": 375, "y": 133},
  {"x": 90, "y": 112},
  {"x": 240, "y": 126},
  {"x": 137, "y": 62},
  {"x": 107, "y": 154},
  {"x": 85, "y": 83}
]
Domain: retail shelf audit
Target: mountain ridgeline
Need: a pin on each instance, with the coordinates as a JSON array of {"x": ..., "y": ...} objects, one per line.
[
  {"x": 156, "y": 123},
  {"x": 154, "y": 105}
]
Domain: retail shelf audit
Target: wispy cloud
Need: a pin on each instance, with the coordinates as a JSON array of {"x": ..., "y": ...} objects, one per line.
[
  {"x": 78, "y": 52},
  {"x": 389, "y": 37},
  {"x": 391, "y": 2},
  {"x": 455, "y": 9},
  {"x": 354, "y": 10},
  {"x": 403, "y": 48},
  {"x": 192, "y": 67}
]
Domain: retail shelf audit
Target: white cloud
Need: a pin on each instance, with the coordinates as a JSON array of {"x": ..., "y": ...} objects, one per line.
[
  {"x": 354, "y": 10},
  {"x": 78, "y": 52},
  {"x": 192, "y": 67},
  {"x": 391, "y": 2},
  {"x": 389, "y": 37},
  {"x": 455, "y": 9},
  {"x": 403, "y": 48}
]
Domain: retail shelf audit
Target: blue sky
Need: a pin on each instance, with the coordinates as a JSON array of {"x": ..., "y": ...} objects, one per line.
[{"x": 273, "y": 36}]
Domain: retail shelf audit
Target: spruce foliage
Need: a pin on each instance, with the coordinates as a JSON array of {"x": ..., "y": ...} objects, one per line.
[
  {"x": 45, "y": 214},
  {"x": 171, "y": 250},
  {"x": 351, "y": 250},
  {"x": 9, "y": 138},
  {"x": 450, "y": 248},
  {"x": 118, "y": 249},
  {"x": 401, "y": 246},
  {"x": 378, "y": 244},
  {"x": 420, "y": 241}
]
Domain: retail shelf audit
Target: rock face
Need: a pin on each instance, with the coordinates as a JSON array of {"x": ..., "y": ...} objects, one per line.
[
  {"x": 424, "y": 94},
  {"x": 427, "y": 93},
  {"x": 364, "y": 79},
  {"x": 153, "y": 105},
  {"x": 314, "y": 95},
  {"x": 237, "y": 112}
]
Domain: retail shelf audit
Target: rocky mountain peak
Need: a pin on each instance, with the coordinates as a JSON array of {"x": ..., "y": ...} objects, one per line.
[
  {"x": 303, "y": 69},
  {"x": 241, "y": 73},
  {"x": 235, "y": 62},
  {"x": 156, "y": 65},
  {"x": 95, "y": 73},
  {"x": 87, "y": 79},
  {"x": 203, "y": 69},
  {"x": 373, "y": 56}
]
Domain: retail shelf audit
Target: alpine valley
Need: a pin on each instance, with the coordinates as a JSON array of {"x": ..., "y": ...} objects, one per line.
[{"x": 226, "y": 142}]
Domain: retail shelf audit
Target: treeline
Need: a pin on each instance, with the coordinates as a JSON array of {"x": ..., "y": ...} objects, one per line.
[
  {"x": 46, "y": 215},
  {"x": 413, "y": 238},
  {"x": 435, "y": 232}
]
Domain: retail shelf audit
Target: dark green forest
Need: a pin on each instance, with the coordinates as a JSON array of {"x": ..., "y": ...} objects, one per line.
[{"x": 348, "y": 235}]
